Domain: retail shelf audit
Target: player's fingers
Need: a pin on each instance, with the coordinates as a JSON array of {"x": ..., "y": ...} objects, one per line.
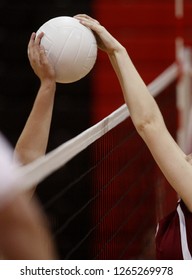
[
  {"x": 43, "y": 56},
  {"x": 92, "y": 24},
  {"x": 38, "y": 38},
  {"x": 34, "y": 48},
  {"x": 86, "y": 17},
  {"x": 32, "y": 39},
  {"x": 31, "y": 43}
]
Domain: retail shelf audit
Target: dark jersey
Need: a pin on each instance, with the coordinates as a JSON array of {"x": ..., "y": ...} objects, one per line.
[{"x": 174, "y": 235}]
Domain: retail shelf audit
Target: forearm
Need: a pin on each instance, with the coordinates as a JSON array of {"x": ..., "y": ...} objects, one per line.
[
  {"x": 34, "y": 138},
  {"x": 142, "y": 106}
]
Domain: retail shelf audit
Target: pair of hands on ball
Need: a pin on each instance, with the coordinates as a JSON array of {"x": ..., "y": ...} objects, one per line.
[{"x": 38, "y": 59}]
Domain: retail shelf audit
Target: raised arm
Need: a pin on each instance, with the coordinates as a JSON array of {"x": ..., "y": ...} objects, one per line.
[
  {"x": 145, "y": 114},
  {"x": 24, "y": 230},
  {"x": 33, "y": 140}
]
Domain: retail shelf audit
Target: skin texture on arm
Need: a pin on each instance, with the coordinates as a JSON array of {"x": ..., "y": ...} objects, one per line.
[
  {"x": 24, "y": 230},
  {"x": 33, "y": 140},
  {"x": 145, "y": 114}
]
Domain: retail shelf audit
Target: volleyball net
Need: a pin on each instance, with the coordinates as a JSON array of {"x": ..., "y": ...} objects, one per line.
[
  {"x": 112, "y": 191},
  {"x": 55, "y": 159},
  {"x": 106, "y": 207}
]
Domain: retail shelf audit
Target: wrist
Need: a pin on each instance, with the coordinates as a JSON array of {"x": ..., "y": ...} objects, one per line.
[
  {"x": 48, "y": 83},
  {"x": 119, "y": 49}
]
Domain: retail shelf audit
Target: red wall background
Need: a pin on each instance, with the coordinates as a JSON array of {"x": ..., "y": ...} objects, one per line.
[{"x": 147, "y": 29}]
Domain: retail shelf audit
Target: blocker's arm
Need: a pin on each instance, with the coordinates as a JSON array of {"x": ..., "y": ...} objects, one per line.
[
  {"x": 145, "y": 114},
  {"x": 33, "y": 140}
]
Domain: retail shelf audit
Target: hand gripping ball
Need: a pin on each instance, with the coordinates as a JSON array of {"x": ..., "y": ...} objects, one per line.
[{"x": 70, "y": 47}]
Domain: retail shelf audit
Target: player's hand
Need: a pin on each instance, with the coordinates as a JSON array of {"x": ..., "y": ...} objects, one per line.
[
  {"x": 105, "y": 40},
  {"x": 38, "y": 58}
]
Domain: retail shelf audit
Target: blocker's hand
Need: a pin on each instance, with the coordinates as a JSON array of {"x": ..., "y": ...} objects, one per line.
[
  {"x": 38, "y": 59},
  {"x": 106, "y": 42}
]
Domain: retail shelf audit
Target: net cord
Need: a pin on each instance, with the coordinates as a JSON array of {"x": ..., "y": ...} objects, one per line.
[{"x": 35, "y": 172}]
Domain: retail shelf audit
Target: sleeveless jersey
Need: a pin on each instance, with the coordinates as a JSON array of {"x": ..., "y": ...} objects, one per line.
[{"x": 174, "y": 235}]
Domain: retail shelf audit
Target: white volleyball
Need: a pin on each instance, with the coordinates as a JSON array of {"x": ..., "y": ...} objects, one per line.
[{"x": 70, "y": 46}]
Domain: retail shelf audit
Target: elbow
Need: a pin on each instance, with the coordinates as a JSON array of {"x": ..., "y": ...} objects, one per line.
[
  {"x": 142, "y": 126},
  {"x": 145, "y": 127},
  {"x": 150, "y": 125}
]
